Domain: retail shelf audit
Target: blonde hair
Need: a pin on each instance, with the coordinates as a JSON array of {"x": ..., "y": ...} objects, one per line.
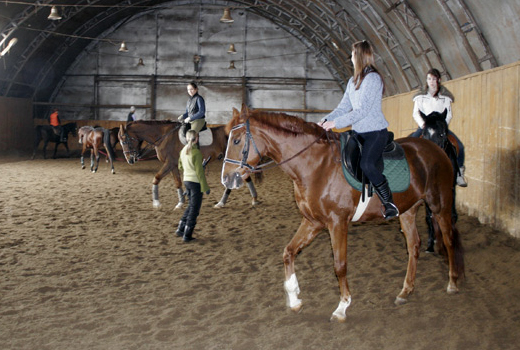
[
  {"x": 191, "y": 138},
  {"x": 363, "y": 62}
]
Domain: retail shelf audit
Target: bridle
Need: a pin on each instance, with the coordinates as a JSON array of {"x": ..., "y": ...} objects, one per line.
[
  {"x": 129, "y": 140},
  {"x": 247, "y": 145}
]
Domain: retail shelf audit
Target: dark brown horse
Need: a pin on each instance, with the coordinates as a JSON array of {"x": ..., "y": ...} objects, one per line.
[
  {"x": 164, "y": 137},
  {"x": 326, "y": 201},
  {"x": 47, "y": 134},
  {"x": 94, "y": 138}
]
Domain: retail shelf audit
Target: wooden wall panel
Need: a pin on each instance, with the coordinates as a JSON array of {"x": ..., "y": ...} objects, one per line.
[
  {"x": 486, "y": 117},
  {"x": 16, "y": 126}
]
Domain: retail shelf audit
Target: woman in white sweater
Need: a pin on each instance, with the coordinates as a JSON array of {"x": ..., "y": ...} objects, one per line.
[{"x": 436, "y": 98}]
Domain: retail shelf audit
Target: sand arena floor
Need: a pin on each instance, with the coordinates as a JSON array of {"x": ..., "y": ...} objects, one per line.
[{"x": 87, "y": 263}]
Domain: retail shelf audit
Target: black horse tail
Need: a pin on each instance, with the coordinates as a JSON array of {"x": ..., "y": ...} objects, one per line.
[
  {"x": 108, "y": 144},
  {"x": 458, "y": 250}
]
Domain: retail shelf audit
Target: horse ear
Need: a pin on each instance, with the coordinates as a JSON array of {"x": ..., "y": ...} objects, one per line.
[
  {"x": 423, "y": 116},
  {"x": 236, "y": 113},
  {"x": 444, "y": 113},
  {"x": 121, "y": 129}
]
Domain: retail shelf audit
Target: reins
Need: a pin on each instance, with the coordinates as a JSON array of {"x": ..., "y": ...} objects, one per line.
[{"x": 268, "y": 165}]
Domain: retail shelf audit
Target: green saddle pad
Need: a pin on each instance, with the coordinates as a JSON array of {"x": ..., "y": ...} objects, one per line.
[{"x": 396, "y": 172}]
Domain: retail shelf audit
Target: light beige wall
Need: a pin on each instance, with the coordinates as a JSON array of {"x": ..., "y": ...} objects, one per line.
[{"x": 486, "y": 117}]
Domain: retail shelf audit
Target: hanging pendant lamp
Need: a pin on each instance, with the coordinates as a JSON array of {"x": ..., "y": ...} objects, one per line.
[
  {"x": 226, "y": 17},
  {"x": 54, "y": 16},
  {"x": 231, "y": 65},
  {"x": 231, "y": 49},
  {"x": 123, "y": 47}
]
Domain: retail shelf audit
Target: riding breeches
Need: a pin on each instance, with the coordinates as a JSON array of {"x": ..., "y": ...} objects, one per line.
[
  {"x": 197, "y": 124},
  {"x": 371, "y": 162},
  {"x": 195, "y": 201}
]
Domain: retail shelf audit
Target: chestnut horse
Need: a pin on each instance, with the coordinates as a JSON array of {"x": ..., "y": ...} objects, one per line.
[
  {"x": 305, "y": 153},
  {"x": 94, "y": 138},
  {"x": 163, "y": 136}
]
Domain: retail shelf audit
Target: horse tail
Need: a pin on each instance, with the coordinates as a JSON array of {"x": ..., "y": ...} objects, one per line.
[
  {"x": 108, "y": 144},
  {"x": 458, "y": 251}
]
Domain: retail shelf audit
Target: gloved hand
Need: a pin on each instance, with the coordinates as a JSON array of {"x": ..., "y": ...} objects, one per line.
[
  {"x": 187, "y": 120},
  {"x": 208, "y": 192},
  {"x": 180, "y": 117}
]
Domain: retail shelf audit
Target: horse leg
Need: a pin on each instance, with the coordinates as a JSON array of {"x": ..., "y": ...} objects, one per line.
[
  {"x": 223, "y": 200},
  {"x": 303, "y": 237},
  {"x": 55, "y": 150},
  {"x": 431, "y": 231},
  {"x": 165, "y": 169},
  {"x": 413, "y": 243},
  {"x": 453, "y": 245},
  {"x": 92, "y": 160},
  {"x": 96, "y": 153},
  {"x": 338, "y": 237},
  {"x": 252, "y": 190},
  {"x": 82, "y": 157}
]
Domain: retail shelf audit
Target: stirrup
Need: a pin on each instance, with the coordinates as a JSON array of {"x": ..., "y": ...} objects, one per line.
[{"x": 389, "y": 212}]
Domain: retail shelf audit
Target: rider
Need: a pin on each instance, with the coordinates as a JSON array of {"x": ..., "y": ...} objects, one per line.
[
  {"x": 361, "y": 108},
  {"x": 436, "y": 98},
  {"x": 195, "y": 115},
  {"x": 55, "y": 121},
  {"x": 190, "y": 163}
]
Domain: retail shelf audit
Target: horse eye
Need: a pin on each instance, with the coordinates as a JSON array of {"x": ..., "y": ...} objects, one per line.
[{"x": 236, "y": 141}]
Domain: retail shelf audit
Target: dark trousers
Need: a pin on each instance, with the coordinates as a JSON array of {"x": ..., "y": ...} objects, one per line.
[
  {"x": 194, "y": 204},
  {"x": 371, "y": 163}
]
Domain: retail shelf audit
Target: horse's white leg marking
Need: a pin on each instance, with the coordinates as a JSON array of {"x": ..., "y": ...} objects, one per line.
[
  {"x": 155, "y": 196},
  {"x": 341, "y": 312},
  {"x": 452, "y": 288},
  {"x": 292, "y": 289}
]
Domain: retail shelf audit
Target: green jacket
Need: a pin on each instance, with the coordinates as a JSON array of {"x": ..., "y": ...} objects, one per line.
[{"x": 191, "y": 166}]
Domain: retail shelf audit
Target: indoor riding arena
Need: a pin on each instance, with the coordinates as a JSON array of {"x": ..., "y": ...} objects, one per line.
[{"x": 91, "y": 259}]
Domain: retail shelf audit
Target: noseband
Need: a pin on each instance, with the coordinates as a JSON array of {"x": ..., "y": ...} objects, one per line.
[
  {"x": 131, "y": 151},
  {"x": 245, "y": 151}
]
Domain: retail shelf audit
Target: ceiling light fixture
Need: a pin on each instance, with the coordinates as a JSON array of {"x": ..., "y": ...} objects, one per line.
[
  {"x": 123, "y": 47},
  {"x": 231, "y": 65},
  {"x": 226, "y": 17},
  {"x": 8, "y": 47},
  {"x": 54, "y": 16},
  {"x": 231, "y": 49},
  {"x": 140, "y": 63}
]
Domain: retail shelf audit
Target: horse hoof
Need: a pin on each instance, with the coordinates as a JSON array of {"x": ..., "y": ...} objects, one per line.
[
  {"x": 400, "y": 301},
  {"x": 113, "y": 172},
  {"x": 298, "y": 308},
  {"x": 178, "y": 206},
  {"x": 83, "y": 167},
  {"x": 158, "y": 205},
  {"x": 452, "y": 290},
  {"x": 338, "y": 318},
  {"x": 255, "y": 202},
  {"x": 219, "y": 205}
]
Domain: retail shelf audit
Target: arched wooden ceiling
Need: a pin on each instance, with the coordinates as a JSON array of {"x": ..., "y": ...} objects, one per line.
[{"x": 404, "y": 33}]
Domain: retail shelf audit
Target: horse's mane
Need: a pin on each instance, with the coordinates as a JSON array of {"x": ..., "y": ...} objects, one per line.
[
  {"x": 288, "y": 124},
  {"x": 154, "y": 122}
]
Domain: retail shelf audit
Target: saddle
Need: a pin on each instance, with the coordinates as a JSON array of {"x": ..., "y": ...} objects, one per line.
[
  {"x": 394, "y": 164},
  {"x": 205, "y": 135}
]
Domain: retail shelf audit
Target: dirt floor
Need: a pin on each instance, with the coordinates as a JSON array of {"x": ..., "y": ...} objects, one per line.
[{"x": 87, "y": 263}]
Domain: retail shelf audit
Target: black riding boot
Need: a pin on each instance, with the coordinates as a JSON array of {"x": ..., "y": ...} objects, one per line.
[
  {"x": 188, "y": 231},
  {"x": 181, "y": 228},
  {"x": 384, "y": 193}
]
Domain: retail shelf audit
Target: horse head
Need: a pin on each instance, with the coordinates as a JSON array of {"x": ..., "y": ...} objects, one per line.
[
  {"x": 240, "y": 160},
  {"x": 129, "y": 144},
  {"x": 72, "y": 128},
  {"x": 435, "y": 128}
]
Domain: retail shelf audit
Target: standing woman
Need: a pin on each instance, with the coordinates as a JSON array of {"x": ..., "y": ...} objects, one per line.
[
  {"x": 195, "y": 113},
  {"x": 190, "y": 164},
  {"x": 360, "y": 107},
  {"x": 436, "y": 98}
]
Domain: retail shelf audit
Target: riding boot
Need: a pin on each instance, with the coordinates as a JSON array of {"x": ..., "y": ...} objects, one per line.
[
  {"x": 384, "y": 193},
  {"x": 461, "y": 180},
  {"x": 188, "y": 232},
  {"x": 181, "y": 228}
]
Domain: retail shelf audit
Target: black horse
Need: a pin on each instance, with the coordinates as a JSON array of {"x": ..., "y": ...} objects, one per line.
[
  {"x": 47, "y": 134},
  {"x": 436, "y": 130}
]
